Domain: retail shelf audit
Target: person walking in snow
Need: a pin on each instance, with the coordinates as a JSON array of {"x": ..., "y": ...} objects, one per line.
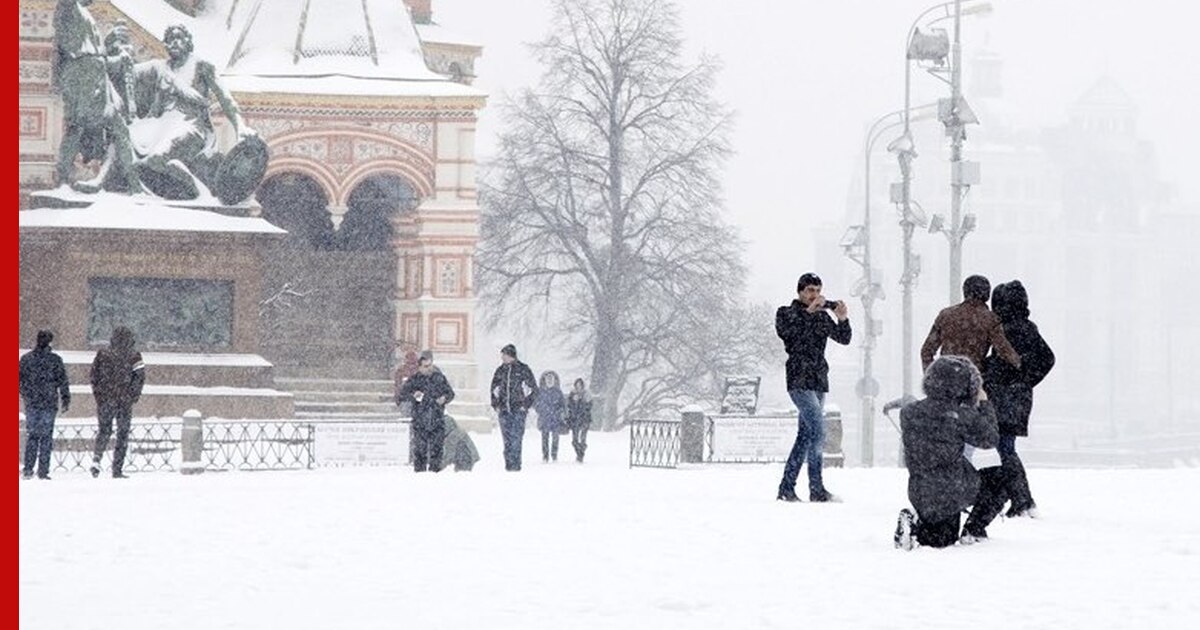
[
  {"x": 804, "y": 328},
  {"x": 935, "y": 430},
  {"x": 42, "y": 380},
  {"x": 117, "y": 378},
  {"x": 513, "y": 391},
  {"x": 551, "y": 408},
  {"x": 428, "y": 392},
  {"x": 1011, "y": 391},
  {"x": 579, "y": 417}
]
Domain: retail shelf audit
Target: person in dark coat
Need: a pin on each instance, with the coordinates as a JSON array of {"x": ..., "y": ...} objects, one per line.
[
  {"x": 804, "y": 328},
  {"x": 42, "y": 380},
  {"x": 428, "y": 392},
  {"x": 551, "y": 408},
  {"x": 459, "y": 448},
  {"x": 117, "y": 378},
  {"x": 579, "y": 417},
  {"x": 513, "y": 391},
  {"x": 935, "y": 431},
  {"x": 968, "y": 329},
  {"x": 403, "y": 372},
  {"x": 1011, "y": 391}
]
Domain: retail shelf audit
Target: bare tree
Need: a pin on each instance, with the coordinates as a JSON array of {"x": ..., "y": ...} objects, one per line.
[{"x": 602, "y": 213}]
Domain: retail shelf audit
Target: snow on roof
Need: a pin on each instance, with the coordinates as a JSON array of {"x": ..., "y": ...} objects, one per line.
[
  {"x": 123, "y": 212},
  {"x": 332, "y": 47},
  {"x": 154, "y": 16},
  {"x": 348, "y": 86},
  {"x": 73, "y": 357},
  {"x": 368, "y": 39},
  {"x": 442, "y": 35}
]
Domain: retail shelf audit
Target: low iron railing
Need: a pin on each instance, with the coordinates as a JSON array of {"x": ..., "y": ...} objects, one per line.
[{"x": 155, "y": 445}]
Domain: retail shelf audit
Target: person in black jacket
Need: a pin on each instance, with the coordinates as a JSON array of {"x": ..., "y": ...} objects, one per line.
[
  {"x": 42, "y": 381},
  {"x": 429, "y": 392},
  {"x": 117, "y": 377},
  {"x": 935, "y": 431},
  {"x": 1011, "y": 391},
  {"x": 579, "y": 417},
  {"x": 513, "y": 391},
  {"x": 804, "y": 328}
]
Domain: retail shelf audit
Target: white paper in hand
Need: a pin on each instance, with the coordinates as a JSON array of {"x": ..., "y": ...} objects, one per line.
[{"x": 984, "y": 458}]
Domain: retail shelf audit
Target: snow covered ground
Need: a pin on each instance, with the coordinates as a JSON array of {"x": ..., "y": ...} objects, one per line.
[{"x": 597, "y": 545}]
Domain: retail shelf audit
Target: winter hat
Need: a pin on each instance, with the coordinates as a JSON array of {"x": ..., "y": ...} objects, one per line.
[
  {"x": 952, "y": 378},
  {"x": 44, "y": 337},
  {"x": 426, "y": 355},
  {"x": 510, "y": 350},
  {"x": 977, "y": 287}
]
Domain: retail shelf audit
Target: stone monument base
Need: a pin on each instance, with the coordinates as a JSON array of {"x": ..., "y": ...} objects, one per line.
[{"x": 187, "y": 281}]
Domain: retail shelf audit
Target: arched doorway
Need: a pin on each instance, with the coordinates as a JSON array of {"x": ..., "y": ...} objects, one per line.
[{"x": 328, "y": 311}]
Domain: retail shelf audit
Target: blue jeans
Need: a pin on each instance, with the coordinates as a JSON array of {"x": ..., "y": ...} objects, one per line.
[
  {"x": 810, "y": 440},
  {"x": 39, "y": 425},
  {"x": 512, "y": 430}
]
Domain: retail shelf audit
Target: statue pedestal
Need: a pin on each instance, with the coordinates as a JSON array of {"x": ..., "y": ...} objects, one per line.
[{"x": 187, "y": 281}]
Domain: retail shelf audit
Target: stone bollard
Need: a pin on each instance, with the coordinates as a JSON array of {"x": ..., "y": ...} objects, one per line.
[
  {"x": 22, "y": 437},
  {"x": 191, "y": 443},
  {"x": 691, "y": 435},
  {"x": 833, "y": 455}
]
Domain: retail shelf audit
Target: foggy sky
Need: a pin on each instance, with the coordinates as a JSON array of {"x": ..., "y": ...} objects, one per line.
[{"x": 805, "y": 78}]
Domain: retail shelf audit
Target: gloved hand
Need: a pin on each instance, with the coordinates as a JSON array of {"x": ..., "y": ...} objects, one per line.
[{"x": 66, "y": 404}]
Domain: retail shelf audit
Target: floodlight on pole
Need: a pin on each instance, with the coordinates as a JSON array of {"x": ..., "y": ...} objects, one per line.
[{"x": 931, "y": 46}]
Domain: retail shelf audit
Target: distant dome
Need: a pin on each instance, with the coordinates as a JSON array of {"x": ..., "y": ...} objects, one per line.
[{"x": 370, "y": 39}]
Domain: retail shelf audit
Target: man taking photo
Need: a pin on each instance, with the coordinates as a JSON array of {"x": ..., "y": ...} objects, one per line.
[{"x": 804, "y": 327}]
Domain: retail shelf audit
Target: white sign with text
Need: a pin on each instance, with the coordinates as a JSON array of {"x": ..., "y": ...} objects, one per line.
[
  {"x": 361, "y": 443},
  {"x": 753, "y": 438}
]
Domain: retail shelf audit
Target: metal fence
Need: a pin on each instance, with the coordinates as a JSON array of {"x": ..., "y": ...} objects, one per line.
[
  {"x": 154, "y": 445},
  {"x": 261, "y": 445},
  {"x": 691, "y": 439},
  {"x": 661, "y": 443}
]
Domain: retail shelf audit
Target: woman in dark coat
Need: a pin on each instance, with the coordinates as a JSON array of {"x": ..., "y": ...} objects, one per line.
[
  {"x": 579, "y": 417},
  {"x": 941, "y": 481},
  {"x": 1011, "y": 391},
  {"x": 551, "y": 408}
]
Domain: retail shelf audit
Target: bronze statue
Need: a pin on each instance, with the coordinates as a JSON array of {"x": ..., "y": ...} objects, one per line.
[
  {"x": 149, "y": 121},
  {"x": 174, "y": 134},
  {"x": 93, "y": 126}
]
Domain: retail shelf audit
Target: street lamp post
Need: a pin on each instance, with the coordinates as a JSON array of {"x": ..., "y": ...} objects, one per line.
[
  {"x": 858, "y": 247},
  {"x": 934, "y": 46}
]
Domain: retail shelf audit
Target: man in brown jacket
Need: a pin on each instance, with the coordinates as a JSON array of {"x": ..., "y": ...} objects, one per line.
[{"x": 969, "y": 329}]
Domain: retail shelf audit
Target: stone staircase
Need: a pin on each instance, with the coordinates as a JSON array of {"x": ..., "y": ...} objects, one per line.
[{"x": 324, "y": 399}]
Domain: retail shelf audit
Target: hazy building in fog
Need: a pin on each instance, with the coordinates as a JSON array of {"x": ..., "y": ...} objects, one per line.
[{"x": 1076, "y": 210}]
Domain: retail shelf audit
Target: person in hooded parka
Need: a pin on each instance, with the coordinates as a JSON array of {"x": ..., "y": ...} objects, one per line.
[
  {"x": 935, "y": 431},
  {"x": 1011, "y": 391},
  {"x": 551, "y": 408},
  {"x": 117, "y": 377}
]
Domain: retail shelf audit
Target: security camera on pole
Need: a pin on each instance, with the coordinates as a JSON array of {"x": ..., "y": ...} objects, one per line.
[{"x": 932, "y": 47}]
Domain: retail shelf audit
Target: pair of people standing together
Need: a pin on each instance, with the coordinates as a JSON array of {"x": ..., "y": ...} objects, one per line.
[
  {"x": 117, "y": 377},
  {"x": 514, "y": 392}
]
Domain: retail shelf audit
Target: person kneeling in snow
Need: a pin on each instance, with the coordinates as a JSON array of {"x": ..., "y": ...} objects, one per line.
[
  {"x": 458, "y": 448},
  {"x": 935, "y": 430}
]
